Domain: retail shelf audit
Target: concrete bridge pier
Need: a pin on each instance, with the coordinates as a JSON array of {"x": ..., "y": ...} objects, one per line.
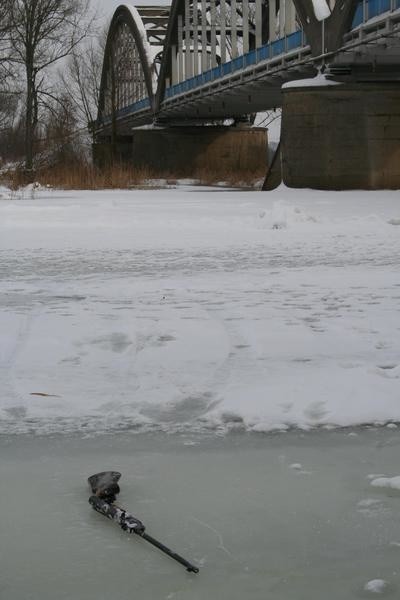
[
  {"x": 200, "y": 152},
  {"x": 344, "y": 136}
]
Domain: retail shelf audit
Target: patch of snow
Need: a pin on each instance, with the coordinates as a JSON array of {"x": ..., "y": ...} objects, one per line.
[
  {"x": 268, "y": 427},
  {"x": 149, "y": 126},
  {"x": 296, "y": 466},
  {"x": 387, "y": 482},
  {"x": 321, "y": 9},
  {"x": 320, "y": 80},
  {"x": 280, "y": 216},
  {"x": 188, "y": 181},
  {"x": 367, "y": 502},
  {"x": 376, "y": 586},
  {"x": 371, "y": 507}
]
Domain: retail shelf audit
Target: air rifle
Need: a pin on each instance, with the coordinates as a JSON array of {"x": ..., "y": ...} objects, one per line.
[{"x": 105, "y": 489}]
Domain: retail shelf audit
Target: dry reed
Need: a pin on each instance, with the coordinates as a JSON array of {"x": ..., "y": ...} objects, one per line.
[{"x": 85, "y": 176}]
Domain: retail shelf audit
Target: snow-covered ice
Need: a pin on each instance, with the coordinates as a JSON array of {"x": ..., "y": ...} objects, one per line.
[{"x": 195, "y": 309}]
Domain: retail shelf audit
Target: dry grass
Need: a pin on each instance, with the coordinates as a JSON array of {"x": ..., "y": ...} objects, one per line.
[
  {"x": 120, "y": 176},
  {"x": 89, "y": 177},
  {"x": 78, "y": 177}
]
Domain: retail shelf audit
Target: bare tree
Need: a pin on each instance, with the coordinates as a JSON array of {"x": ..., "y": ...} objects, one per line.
[
  {"x": 61, "y": 135},
  {"x": 82, "y": 79},
  {"x": 5, "y": 45},
  {"x": 8, "y": 108},
  {"x": 5, "y": 14},
  {"x": 44, "y": 32},
  {"x": 9, "y": 95}
]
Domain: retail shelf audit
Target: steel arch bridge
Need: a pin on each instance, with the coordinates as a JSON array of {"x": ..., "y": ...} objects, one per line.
[{"x": 208, "y": 60}]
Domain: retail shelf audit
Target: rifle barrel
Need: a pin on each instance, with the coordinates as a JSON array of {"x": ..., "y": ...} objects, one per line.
[
  {"x": 189, "y": 567},
  {"x": 131, "y": 524}
]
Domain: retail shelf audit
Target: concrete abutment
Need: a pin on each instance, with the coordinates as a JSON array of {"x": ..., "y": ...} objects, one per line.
[
  {"x": 191, "y": 151},
  {"x": 344, "y": 136}
]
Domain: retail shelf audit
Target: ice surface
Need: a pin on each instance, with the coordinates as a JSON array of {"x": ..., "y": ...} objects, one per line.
[
  {"x": 198, "y": 310},
  {"x": 233, "y": 506}
]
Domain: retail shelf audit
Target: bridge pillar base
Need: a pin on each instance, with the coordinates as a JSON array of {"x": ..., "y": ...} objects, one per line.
[
  {"x": 341, "y": 136},
  {"x": 194, "y": 152}
]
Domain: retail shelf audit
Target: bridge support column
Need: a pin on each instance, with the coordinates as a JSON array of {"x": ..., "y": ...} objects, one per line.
[{"x": 341, "y": 136}]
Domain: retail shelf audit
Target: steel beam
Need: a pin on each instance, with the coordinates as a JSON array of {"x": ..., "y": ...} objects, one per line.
[
  {"x": 204, "y": 35},
  {"x": 234, "y": 44},
  {"x": 272, "y": 20},
  {"x": 188, "y": 54},
  {"x": 332, "y": 29},
  {"x": 195, "y": 38},
  {"x": 222, "y": 14},
  {"x": 245, "y": 34},
  {"x": 213, "y": 22},
  {"x": 258, "y": 23},
  {"x": 180, "y": 48},
  {"x": 290, "y": 17}
]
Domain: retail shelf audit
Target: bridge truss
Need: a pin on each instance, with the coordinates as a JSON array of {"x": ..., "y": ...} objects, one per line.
[{"x": 207, "y": 60}]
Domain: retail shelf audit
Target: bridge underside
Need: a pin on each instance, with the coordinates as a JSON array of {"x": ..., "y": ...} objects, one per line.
[
  {"x": 217, "y": 102},
  {"x": 234, "y": 100}
]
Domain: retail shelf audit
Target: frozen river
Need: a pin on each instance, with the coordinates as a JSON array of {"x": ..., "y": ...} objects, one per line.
[
  {"x": 237, "y": 356},
  {"x": 290, "y": 516}
]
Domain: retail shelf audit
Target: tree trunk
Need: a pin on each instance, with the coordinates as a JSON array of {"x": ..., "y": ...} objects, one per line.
[{"x": 29, "y": 117}]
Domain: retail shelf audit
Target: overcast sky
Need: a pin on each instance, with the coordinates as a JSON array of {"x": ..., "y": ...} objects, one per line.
[{"x": 107, "y": 7}]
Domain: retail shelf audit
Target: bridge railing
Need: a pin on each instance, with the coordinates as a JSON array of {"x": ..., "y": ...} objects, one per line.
[
  {"x": 267, "y": 52},
  {"x": 142, "y": 104},
  {"x": 368, "y": 9}
]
